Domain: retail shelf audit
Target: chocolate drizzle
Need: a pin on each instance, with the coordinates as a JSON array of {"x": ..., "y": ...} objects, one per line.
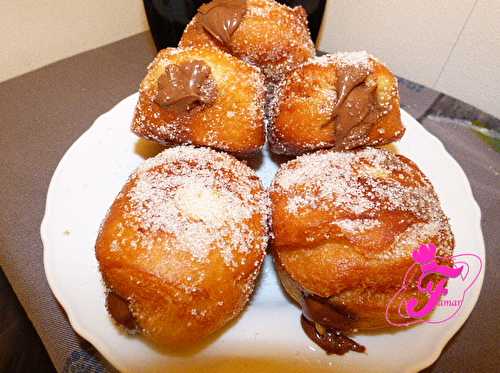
[
  {"x": 325, "y": 322},
  {"x": 118, "y": 308},
  {"x": 185, "y": 86},
  {"x": 357, "y": 109},
  {"x": 221, "y": 18}
]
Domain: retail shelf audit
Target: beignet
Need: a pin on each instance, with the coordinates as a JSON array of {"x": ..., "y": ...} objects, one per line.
[
  {"x": 343, "y": 100},
  {"x": 182, "y": 245},
  {"x": 265, "y": 33},
  {"x": 345, "y": 225},
  {"x": 202, "y": 96}
]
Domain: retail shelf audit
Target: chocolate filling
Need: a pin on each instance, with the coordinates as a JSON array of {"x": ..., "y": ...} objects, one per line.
[
  {"x": 325, "y": 322},
  {"x": 185, "y": 86},
  {"x": 357, "y": 109},
  {"x": 221, "y": 18},
  {"x": 332, "y": 340},
  {"x": 118, "y": 309}
]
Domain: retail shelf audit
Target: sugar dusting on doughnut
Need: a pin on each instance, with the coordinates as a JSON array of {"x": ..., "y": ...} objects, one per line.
[
  {"x": 357, "y": 58},
  {"x": 345, "y": 226},
  {"x": 200, "y": 197},
  {"x": 234, "y": 122},
  {"x": 183, "y": 243},
  {"x": 360, "y": 186},
  {"x": 302, "y": 109},
  {"x": 272, "y": 36},
  {"x": 299, "y": 41},
  {"x": 360, "y": 59}
]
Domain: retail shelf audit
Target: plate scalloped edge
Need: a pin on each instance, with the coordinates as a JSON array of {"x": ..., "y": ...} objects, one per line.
[
  {"x": 477, "y": 212},
  {"x": 102, "y": 346}
]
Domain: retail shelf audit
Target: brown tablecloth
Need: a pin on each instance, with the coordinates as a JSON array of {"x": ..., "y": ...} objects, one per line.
[{"x": 42, "y": 113}]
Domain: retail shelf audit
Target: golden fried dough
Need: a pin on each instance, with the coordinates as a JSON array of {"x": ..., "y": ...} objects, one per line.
[
  {"x": 182, "y": 244},
  {"x": 202, "y": 96},
  {"x": 344, "y": 100},
  {"x": 267, "y": 34},
  {"x": 345, "y": 225}
]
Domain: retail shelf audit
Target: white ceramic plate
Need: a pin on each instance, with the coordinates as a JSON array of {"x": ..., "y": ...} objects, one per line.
[{"x": 267, "y": 336}]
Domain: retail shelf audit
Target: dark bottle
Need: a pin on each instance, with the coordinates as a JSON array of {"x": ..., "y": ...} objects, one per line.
[{"x": 168, "y": 18}]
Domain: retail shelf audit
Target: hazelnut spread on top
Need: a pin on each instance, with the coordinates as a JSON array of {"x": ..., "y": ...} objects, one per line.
[
  {"x": 356, "y": 109},
  {"x": 184, "y": 86},
  {"x": 324, "y": 322},
  {"x": 221, "y": 18},
  {"x": 119, "y": 310}
]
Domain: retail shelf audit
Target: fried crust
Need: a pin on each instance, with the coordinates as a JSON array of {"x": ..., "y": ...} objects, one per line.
[
  {"x": 355, "y": 253},
  {"x": 176, "y": 298},
  {"x": 304, "y": 105},
  {"x": 233, "y": 123},
  {"x": 271, "y": 36}
]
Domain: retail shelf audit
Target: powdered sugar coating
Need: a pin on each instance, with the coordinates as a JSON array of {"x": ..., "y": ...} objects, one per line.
[
  {"x": 271, "y": 36},
  {"x": 358, "y": 225},
  {"x": 200, "y": 199},
  {"x": 356, "y": 58},
  {"x": 183, "y": 243},
  {"x": 300, "y": 108},
  {"x": 354, "y": 189},
  {"x": 240, "y": 91}
]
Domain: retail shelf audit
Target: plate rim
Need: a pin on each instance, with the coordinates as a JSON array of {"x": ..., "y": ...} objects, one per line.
[{"x": 101, "y": 345}]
